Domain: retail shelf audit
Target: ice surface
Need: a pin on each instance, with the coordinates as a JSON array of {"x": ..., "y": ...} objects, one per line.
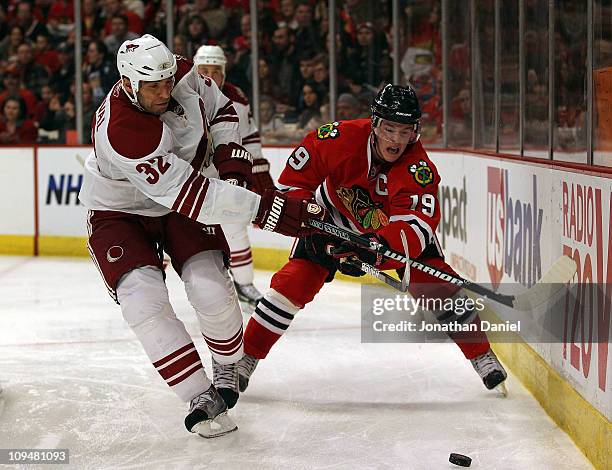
[{"x": 74, "y": 376}]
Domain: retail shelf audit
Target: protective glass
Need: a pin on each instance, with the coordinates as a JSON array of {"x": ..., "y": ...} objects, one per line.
[{"x": 398, "y": 133}]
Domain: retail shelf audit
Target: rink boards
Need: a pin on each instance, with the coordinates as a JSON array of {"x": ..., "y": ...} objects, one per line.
[{"x": 502, "y": 221}]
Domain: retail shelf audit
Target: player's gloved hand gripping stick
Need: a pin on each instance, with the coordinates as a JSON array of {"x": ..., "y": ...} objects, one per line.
[{"x": 561, "y": 271}]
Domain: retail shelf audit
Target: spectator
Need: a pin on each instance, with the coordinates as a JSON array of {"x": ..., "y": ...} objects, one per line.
[
  {"x": 4, "y": 25},
  {"x": 320, "y": 73},
  {"x": 283, "y": 62},
  {"x": 460, "y": 126},
  {"x": 310, "y": 111},
  {"x": 60, "y": 81},
  {"x": 25, "y": 19},
  {"x": 89, "y": 109},
  {"x": 179, "y": 45},
  {"x": 287, "y": 14},
  {"x": 385, "y": 69},
  {"x": 46, "y": 93},
  {"x": 347, "y": 107},
  {"x": 269, "y": 121},
  {"x": 355, "y": 12},
  {"x": 135, "y": 6},
  {"x": 267, "y": 83},
  {"x": 305, "y": 69},
  {"x": 116, "y": 7},
  {"x": 14, "y": 127},
  {"x": 12, "y": 87},
  {"x": 100, "y": 71},
  {"x": 306, "y": 66},
  {"x": 92, "y": 22},
  {"x": 214, "y": 15},
  {"x": 60, "y": 21},
  {"x": 266, "y": 12},
  {"x": 306, "y": 34},
  {"x": 69, "y": 115},
  {"x": 369, "y": 49},
  {"x": 9, "y": 45},
  {"x": 243, "y": 41},
  {"x": 155, "y": 20},
  {"x": 45, "y": 55},
  {"x": 33, "y": 75},
  {"x": 119, "y": 34},
  {"x": 359, "y": 90},
  {"x": 196, "y": 33},
  {"x": 52, "y": 126}
]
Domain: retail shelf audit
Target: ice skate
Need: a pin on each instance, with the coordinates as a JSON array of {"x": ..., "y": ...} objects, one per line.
[
  {"x": 246, "y": 366},
  {"x": 248, "y": 295},
  {"x": 491, "y": 371},
  {"x": 225, "y": 379},
  {"x": 208, "y": 415}
]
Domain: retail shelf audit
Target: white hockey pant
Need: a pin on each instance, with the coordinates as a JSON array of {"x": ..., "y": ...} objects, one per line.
[{"x": 146, "y": 308}]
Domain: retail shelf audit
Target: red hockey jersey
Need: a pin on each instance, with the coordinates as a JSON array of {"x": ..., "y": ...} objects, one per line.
[{"x": 335, "y": 162}]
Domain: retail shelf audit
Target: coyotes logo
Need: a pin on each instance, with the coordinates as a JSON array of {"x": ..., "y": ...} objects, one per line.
[
  {"x": 131, "y": 47},
  {"x": 361, "y": 206}
]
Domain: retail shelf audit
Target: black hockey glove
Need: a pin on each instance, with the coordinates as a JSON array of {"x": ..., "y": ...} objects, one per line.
[
  {"x": 318, "y": 246},
  {"x": 346, "y": 250}
]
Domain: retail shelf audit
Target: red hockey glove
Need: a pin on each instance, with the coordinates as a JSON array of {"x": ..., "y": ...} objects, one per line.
[
  {"x": 261, "y": 179},
  {"x": 234, "y": 164},
  {"x": 347, "y": 250},
  {"x": 285, "y": 215}
]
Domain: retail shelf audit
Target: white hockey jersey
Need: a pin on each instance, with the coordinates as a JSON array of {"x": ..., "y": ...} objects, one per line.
[
  {"x": 149, "y": 165},
  {"x": 248, "y": 129}
]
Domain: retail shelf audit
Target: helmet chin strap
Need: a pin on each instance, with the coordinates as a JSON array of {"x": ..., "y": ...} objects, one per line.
[{"x": 132, "y": 97}]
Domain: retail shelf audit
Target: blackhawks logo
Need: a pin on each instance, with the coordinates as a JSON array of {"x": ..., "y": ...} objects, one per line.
[
  {"x": 421, "y": 172},
  {"x": 328, "y": 131},
  {"x": 359, "y": 203}
]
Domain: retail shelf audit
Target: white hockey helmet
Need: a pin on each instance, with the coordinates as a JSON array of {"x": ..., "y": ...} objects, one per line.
[
  {"x": 210, "y": 55},
  {"x": 145, "y": 59}
]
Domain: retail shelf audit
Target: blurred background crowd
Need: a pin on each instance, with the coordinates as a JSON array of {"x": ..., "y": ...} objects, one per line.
[{"x": 37, "y": 44}]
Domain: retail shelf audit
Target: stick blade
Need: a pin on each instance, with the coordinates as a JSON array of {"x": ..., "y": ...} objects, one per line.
[
  {"x": 406, "y": 276},
  {"x": 561, "y": 272}
]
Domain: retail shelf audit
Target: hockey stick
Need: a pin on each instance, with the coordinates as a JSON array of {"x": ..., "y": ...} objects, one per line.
[
  {"x": 561, "y": 271},
  {"x": 377, "y": 273}
]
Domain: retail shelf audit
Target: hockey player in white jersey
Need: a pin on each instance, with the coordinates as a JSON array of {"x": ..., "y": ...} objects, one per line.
[
  {"x": 211, "y": 61},
  {"x": 154, "y": 183}
]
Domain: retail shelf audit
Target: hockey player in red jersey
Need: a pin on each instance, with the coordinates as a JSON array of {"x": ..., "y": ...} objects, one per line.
[
  {"x": 373, "y": 177},
  {"x": 210, "y": 61},
  {"x": 154, "y": 183}
]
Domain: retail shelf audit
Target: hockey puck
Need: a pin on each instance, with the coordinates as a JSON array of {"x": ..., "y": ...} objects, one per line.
[{"x": 460, "y": 459}]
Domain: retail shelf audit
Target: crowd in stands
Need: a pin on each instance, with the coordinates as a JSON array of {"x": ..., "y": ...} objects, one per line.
[
  {"x": 37, "y": 76},
  {"x": 37, "y": 43}
]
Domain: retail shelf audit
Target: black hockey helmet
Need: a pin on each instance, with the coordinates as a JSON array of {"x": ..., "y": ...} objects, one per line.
[{"x": 398, "y": 104}]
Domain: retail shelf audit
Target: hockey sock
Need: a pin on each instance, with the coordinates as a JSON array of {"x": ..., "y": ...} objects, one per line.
[
  {"x": 212, "y": 295},
  {"x": 472, "y": 343},
  {"x": 241, "y": 265},
  {"x": 270, "y": 320}
]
